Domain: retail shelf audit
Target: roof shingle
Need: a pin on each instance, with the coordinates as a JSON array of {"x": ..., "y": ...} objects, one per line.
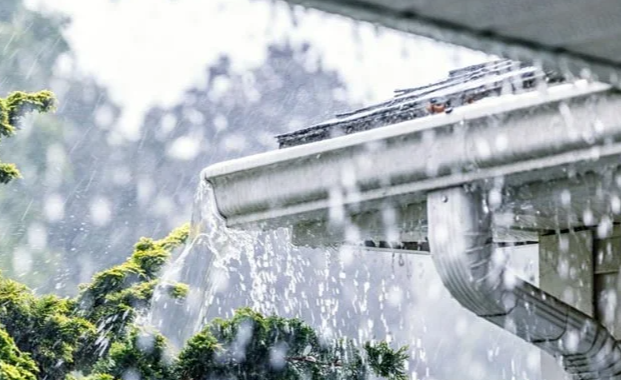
[{"x": 461, "y": 87}]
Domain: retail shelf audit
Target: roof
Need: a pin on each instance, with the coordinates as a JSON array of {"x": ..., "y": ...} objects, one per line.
[
  {"x": 463, "y": 86},
  {"x": 577, "y": 36},
  {"x": 273, "y": 189}
]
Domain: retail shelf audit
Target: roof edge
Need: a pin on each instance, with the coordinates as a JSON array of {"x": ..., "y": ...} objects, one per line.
[{"x": 547, "y": 57}]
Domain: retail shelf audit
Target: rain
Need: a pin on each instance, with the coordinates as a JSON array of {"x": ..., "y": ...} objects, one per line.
[{"x": 248, "y": 189}]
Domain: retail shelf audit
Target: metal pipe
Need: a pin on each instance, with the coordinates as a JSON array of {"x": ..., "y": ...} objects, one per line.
[{"x": 460, "y": 238}]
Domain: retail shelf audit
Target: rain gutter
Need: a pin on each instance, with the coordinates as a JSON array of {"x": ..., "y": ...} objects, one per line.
[
  {"x": 442, "y": 164},
  {"x": 519, "y": 138}
]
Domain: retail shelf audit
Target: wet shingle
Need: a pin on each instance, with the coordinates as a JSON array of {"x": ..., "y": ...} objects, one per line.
[{"x": 461, "y": 87}]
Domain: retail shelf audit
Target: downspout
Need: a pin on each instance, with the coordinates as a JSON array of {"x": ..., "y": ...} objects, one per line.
[{"x": 461, "y": 245}]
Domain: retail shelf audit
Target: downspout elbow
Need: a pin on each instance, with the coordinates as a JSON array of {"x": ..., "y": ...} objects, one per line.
[{"x": 461, "y": 244}]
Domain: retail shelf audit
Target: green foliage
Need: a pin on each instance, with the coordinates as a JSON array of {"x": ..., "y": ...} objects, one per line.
[
  {"x": 142, "y": 352},
  {"x": 116, "y": 296},
  {"x": 100, "y": 376},
  {"x": 96, "y": 334},
  {"x": 252, "y": 346},
  {"x": 14, "y": 365},
  {"x": 45, "y": 327},
  {"x": 385, "y": 361},
  {"x": 179, "y": 291},
  {"x": 62, "y": 334},
  {"x": 134, "y": 280},
  {"x": 8, "y": 172},
  {"x": 18, "y": 104},
  {"x": 12, "y": 109}
]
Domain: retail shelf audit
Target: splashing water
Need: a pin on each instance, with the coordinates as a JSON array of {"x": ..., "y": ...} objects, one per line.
[
  {"x": 227, "y": 269},
  {"x": 203, "y": 265},
  {"x": 344, "y": 292}
]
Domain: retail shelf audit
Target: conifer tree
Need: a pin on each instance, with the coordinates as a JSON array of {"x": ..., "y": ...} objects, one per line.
[{"x": 97, "y": 334}]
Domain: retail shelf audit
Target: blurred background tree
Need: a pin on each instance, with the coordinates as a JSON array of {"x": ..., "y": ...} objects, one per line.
[
  {"x": 88, "y": 193},
  {"x": 42, "y": 225}
]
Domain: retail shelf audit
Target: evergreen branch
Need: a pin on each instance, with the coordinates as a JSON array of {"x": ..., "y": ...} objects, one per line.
[
  {"x": 18, "y": 104},
  {"x": 313, "y": 360},
  {"x": 12, "y": 109},
  {"x": 8, "y": 172},
  {"x": 386, "y": 362}
]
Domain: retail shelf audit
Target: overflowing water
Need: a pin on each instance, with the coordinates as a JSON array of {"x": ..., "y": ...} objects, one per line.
[
  {"x": 227, "y": 269},
  {"x": 342, "y": 292},
  {"x": 203, "y": 265}
]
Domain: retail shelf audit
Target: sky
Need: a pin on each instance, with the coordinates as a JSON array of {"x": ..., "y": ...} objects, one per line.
[{"x": 148, "y": 52}]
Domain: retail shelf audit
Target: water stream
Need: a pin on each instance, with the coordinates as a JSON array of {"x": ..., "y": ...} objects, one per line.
[{"x": 345, "y": 292}]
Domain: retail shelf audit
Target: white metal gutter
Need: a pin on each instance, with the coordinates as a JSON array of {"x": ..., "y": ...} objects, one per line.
[{"x": 531, "y": 136}]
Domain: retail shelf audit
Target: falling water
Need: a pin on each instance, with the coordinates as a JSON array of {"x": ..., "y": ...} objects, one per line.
[
  {"x": 227, "y": 269},
  {"x": 203, "y": 265},
  {"x": 344, "y": 292}
]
